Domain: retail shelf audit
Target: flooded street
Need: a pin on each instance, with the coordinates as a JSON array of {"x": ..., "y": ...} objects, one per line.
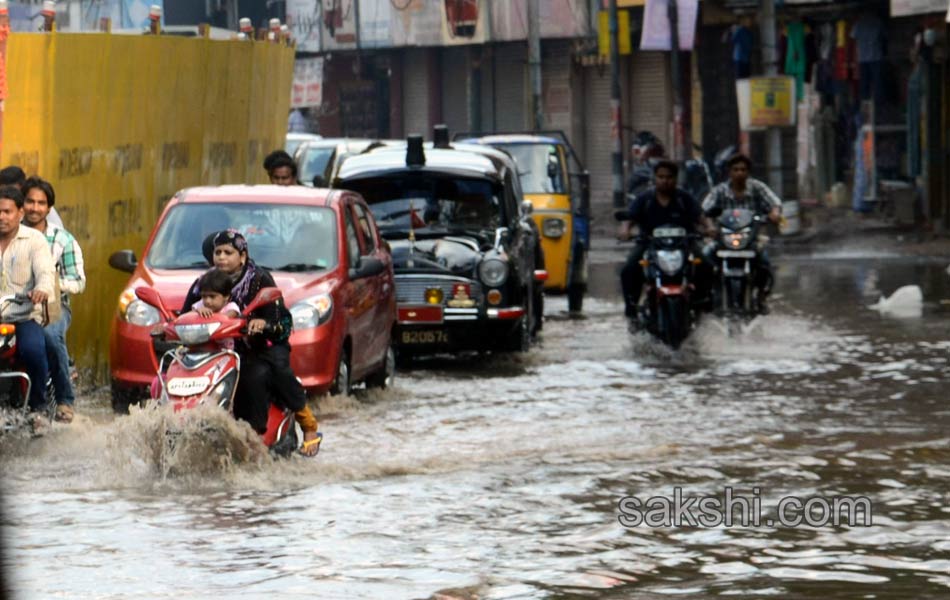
[{"x": 501, "y": 477}]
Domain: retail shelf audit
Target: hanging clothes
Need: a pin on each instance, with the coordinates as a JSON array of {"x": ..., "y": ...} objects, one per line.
[
  {"x": 796, "y": 59},
  {"x": 841, "y": 58},
  {"x": 742, "y": 51}
]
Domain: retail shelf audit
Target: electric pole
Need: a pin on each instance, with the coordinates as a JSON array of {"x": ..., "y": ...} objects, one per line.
[
  {"x": 773, "y": 135},
  {"x": 534, "y": 62},
  {"x": 676, "y": 78},
  {"x": 616, "y": 124}
]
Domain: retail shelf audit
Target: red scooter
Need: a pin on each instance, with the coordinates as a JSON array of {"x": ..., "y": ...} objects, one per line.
[
  {"x": 15, "y": 383},
  {"x": 201, "y": 372}
]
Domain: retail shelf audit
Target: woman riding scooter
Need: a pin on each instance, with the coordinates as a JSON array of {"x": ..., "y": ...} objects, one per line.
[{"x": 265, "y": 357}]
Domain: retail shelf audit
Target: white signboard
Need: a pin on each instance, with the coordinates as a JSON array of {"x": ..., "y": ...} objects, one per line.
[
  {"x": 308, "y": 83},
  {"x": 303, "y": 18},
  {"x": 902, "y": 8},
  {"x": 656, "y": 24}
]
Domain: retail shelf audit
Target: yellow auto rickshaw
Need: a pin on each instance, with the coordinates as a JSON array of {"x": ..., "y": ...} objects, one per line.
[{"x": 560, "y": 198}]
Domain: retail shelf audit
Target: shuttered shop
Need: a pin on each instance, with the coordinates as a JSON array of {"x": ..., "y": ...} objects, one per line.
[
  {"x": 510, "y": 74},
  {"x": 598, "y": 144},
  {"x": 455, "y": 78},
  {"x": 415, "y": 91},
  {"x": 650, "y": 99}
]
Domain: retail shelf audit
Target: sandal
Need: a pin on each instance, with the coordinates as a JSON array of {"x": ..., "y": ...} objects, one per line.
[
  {"x": 310, "y": 448},
  {"x": 65, "y": 413}
]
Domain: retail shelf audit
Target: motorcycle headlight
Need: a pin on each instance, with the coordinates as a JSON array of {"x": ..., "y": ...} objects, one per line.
[
  {"x": 493, "y": 272},
  {"x": 312, "y": 311},
  {"x": 736, "y": 241},
  {"x": 670, "y": 261},
  {"x": 196, "y": 334},
  {"x": 553, "y": 228},
  {"x": 140, "y": 313}
]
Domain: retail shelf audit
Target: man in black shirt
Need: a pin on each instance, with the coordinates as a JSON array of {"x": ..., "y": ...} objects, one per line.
[{"x": 663, "y": 204}]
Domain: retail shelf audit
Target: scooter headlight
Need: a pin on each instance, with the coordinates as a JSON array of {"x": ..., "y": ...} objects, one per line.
[
  {"x": 196, "y": 334},
  {"x": 736, "y": 241},
  {"x": 670, "y": 261},
  {"x": 312, "y": 311}
]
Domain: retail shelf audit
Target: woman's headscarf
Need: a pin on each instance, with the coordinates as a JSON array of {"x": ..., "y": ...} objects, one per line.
[{"x": 241, "y": 292}]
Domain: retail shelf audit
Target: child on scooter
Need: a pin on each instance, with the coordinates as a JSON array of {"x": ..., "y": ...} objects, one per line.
[{"x": 215, "y": 290}]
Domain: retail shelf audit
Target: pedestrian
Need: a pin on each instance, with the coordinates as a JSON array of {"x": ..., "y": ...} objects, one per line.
[
  {"x": 39, "y": 198},
  {"x": 281, "y": 168}
]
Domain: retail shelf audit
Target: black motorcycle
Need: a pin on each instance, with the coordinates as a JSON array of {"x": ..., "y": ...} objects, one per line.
[
  {"x": 736, "y": 256},
  {"x": 667, "y": 310}
]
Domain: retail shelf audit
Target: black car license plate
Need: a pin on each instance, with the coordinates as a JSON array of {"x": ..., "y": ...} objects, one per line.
[{"x": 425, "y": 336}]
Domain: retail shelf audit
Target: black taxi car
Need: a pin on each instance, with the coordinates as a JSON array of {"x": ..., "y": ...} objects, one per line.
[{"x": 468, "y": 271}]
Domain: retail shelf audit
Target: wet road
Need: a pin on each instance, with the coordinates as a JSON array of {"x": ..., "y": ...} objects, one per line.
[{"x": 501, "y": 479}]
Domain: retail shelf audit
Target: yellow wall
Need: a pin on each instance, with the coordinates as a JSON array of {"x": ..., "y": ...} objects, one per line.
[{"x": 119, "y": 123}]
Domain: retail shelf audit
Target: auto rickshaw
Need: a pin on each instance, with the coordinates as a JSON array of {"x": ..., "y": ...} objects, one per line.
[{"x": 558, "y": 187}]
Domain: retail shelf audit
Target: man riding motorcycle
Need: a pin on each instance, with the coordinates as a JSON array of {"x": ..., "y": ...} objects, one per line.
[
  {"x": 663, "y": 204},
  {"x": 742, "y": 191}
]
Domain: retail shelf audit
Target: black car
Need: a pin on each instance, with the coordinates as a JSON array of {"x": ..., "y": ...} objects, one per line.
[{"x": 465, "y": 251}]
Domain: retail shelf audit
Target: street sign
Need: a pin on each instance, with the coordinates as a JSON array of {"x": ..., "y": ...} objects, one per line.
[
  {"x": 766, "y": 102},
  {"x": 308, "y": 83}
]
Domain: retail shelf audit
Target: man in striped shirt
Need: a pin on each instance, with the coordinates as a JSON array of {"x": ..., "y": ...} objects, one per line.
[
  {"x": 67, "y": 256},
  {"x": 742, "y": 191},
  {"x": 26, "y": 267}
]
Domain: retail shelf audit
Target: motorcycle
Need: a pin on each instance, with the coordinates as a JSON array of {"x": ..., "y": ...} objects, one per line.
[
  {"x": 202, "y": 372},
  {"x": 736, "y": 254},
  {"x": 15, "y": 383},
  {"x": 667, "y": 310}
]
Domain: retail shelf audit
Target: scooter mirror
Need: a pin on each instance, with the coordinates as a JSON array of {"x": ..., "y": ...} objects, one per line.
[
  {"x": 265, "y": 296},
  {"x": 150, "y": 296}
]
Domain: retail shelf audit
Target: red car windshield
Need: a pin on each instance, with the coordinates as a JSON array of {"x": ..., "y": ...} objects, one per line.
[{"x": 280, "y": 237}]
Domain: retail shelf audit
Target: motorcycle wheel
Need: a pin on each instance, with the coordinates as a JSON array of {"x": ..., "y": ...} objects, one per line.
[{"x": 673, "y": 322}]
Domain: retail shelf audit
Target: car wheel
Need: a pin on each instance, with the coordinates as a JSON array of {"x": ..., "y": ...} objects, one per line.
[
  {"x": 538, "y": 309},
  {"x": 342, "y": 386},
  {"x": 577, "y": 285},
  {"x": 519, "y": 340},
  {"x": 123, "y": 397},
  {"x": 384, "y": 377}
]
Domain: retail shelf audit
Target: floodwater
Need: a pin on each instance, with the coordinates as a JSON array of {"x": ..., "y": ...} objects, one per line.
[{"x": 501, "y": 477}]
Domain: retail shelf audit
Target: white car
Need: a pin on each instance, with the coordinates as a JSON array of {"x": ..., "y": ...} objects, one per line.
[{"x": 293, "y": 141}]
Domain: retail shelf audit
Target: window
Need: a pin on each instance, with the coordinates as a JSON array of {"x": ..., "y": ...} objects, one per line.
[
  {"x": 369, "y": 236},
  {"x": 352, "y": 241}
]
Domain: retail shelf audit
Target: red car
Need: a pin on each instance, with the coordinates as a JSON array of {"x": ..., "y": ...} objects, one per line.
[{"x": 325, "y": 253}]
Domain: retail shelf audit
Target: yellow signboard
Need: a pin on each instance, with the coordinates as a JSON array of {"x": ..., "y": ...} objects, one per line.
[
  {"x": 623, "y": 32},
  {"x": 770, "y": 101}
]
